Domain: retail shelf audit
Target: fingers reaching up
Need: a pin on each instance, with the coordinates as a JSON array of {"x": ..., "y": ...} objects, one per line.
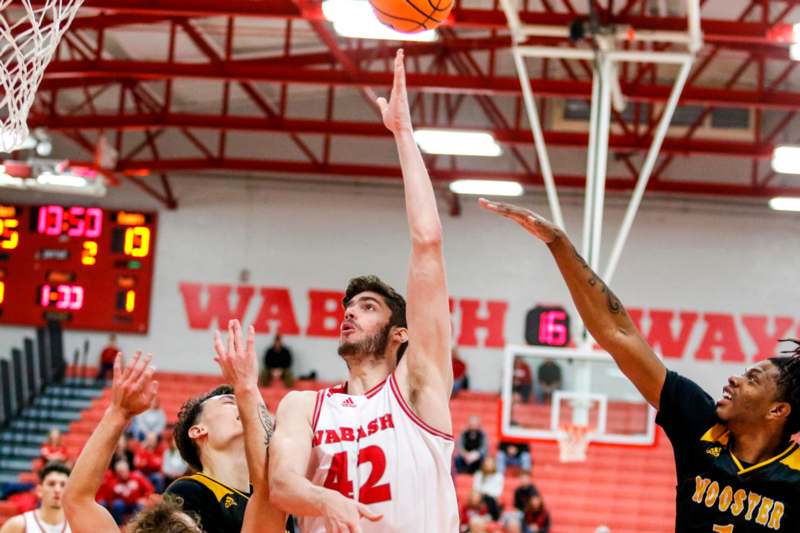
[
  {"x": 395, "y": 112},
  {"x": 237, "y": 357},
  {"x": 133, "y": 387},
  {"x": 536, "y": 225}
]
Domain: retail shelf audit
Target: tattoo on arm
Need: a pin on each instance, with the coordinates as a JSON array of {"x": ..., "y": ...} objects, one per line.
[
  {"x": 614, "y": 304},
  {"x": 267, "y": 422}
]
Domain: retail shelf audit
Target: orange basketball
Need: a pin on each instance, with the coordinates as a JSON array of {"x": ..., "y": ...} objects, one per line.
[{"x": 412, "y": 16}]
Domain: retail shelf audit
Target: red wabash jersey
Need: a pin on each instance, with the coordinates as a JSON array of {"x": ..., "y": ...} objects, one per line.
[{"x": 375, "y": 449}]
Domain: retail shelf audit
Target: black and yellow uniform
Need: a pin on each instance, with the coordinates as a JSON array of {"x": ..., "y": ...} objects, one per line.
[
  {"x": 716, "y": 492},
  {"x": 220, "y": 507}
]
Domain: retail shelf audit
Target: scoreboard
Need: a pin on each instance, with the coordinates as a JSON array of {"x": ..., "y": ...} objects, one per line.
[{"x": 86, "y": 267}]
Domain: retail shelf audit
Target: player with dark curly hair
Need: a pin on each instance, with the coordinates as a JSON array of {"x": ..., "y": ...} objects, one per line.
[
  {"x": 224, "y": 435},
  {"x": 133, "y": 389},
  {"x": 737, "y": 465}
]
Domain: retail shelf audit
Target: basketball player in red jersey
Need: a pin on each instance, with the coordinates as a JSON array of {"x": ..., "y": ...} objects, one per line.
[{"x": 373, "y": 454}]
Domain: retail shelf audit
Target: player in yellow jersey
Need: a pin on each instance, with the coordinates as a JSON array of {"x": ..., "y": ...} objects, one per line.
[{"x": 738, "y": 468}]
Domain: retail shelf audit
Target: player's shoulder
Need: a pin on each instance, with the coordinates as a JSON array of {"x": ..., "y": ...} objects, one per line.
[
  {"x": 679, "y": 389},
  {"x": 15, "y": 524},
  {"x": 201, "y": 488},
  {"x": 298, "y": 399},
  {"x": 192, "y": 487},
  {"x": 789, "y": 465}
]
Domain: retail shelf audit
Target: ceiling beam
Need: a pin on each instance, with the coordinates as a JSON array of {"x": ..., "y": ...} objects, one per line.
[
  {"x": 490, "y": 19},
  {"x": 618, "y": 143},
  {"x": 196, "y": 8},
  {"x": 351, "y": 171},
  {"x": 61, "y": 74}
]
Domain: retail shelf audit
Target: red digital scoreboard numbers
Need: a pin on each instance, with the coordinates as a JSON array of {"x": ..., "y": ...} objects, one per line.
[{"x": 87, "y": 267}]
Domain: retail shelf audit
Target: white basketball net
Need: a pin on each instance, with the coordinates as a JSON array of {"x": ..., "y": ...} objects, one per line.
[
  {"x": 28, "y": 38},
  {"x": 573, "y": 441}
]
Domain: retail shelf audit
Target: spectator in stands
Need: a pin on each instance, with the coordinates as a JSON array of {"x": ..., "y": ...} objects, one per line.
[
  {"x": 512, "y": 522},
  {"x": 107, "y": 356},
  {"x": 173, "y": 465},
  {"x": 148, "y": 459},
  {"x": 124, "y": 492},
  {"x": 473, "y": 507},
  {"x": 516, "y": 455},
  {"x": 548, "y": 377},
  {"x": 277, "y": 364},
  {"x": 50, "y": 514},
  {"x": 488, "y": 482},
  {"x": 154, "y": 420},
  {"x": 537, "y": 518},
  {"x": 53, "y": 450},
  {"x": 123, "y": 451},
  {"x": 524, "y": 491},
  {"x": 472, "y": 447},
  {"x": 479, "y": 524},
  {"x": 522, "y": 382},
  {"x": 460, "y": 379}
]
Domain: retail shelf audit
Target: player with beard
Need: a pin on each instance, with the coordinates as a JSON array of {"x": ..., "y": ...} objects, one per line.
[
  {"x": 49, "y": 517},
  {"x": 374, "y": 454},
  {"x": 737, "y": 466}
]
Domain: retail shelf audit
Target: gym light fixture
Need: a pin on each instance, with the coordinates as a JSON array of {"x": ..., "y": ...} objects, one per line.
[
  {"x": 447, "y": 142},
  {"x": 487, "y": 188},
  {"x": 785, "y": 203},
  {"x": 786, "y": 159},
  {"x": 794, "y": 52},
  {"x": 354, "y": 18}
]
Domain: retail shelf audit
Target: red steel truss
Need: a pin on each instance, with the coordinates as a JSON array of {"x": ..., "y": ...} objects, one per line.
[{"x": 462, "y": 65}]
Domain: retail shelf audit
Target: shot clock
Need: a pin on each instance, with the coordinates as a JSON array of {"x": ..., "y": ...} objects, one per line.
[
  {"x": 87, "y": 267},
  {"x": 547, "y": 326}
]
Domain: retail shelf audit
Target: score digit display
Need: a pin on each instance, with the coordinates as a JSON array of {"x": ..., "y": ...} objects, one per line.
[
  {"x": 87, "y": 267},
  {"x": 547, "y": 326}
]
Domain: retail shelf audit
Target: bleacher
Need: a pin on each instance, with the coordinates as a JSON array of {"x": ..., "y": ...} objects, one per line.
[{"x": 631, "y": 490}]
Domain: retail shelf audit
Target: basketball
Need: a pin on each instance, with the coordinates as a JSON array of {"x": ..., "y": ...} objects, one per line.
[{"x": 412, "y": 16}]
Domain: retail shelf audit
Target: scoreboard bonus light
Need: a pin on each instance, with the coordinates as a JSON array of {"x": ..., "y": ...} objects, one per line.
[{"x": 87, "y": 267}]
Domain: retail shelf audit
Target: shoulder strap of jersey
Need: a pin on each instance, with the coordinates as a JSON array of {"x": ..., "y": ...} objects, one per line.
[
  {"x": 220, "y": 490},
  {"x": 318, "y": 408}
]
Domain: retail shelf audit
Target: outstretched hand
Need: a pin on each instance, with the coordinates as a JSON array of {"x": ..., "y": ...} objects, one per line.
[
  {"x": 539, "y": 227},
  {"x": 238, "y": 360},
  {"x": 343, "y": 515},
  {"x": 396, "y": 114},
  {"x": 133, "y": 388}
]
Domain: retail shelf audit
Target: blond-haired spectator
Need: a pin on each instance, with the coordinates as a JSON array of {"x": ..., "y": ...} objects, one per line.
[{"x": 488, "y": 482}]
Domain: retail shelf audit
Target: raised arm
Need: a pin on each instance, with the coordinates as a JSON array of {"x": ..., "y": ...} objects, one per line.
[
  {"x": 428, "y": 311},
  {"x": 132, "y": 391},
  {"x": 240, "y": 368},
  {"x": 290, "y": 454},
  {"x": 600, "y": 309}
]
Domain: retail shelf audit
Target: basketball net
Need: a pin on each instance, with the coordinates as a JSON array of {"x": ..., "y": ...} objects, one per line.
[
  {"x": 28, "y": 39},
  {"x": 573, "y": 441}
]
